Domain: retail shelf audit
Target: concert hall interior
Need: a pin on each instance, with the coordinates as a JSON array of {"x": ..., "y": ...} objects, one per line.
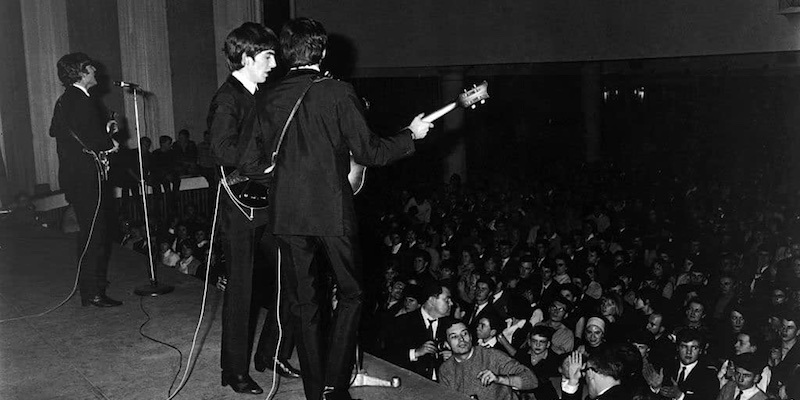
[{"x": 615, "y": 149}]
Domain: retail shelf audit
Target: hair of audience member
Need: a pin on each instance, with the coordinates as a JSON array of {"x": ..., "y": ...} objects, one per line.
[
  {"x": 689, "y": 335},
  {"x": 631, "y": 359},
  {"x": 487, "y": 280},
  {"x": 248, "y": 39},
  {"x": 414, "y": 292},
  {"x": 543, "y": 331},
  {"x": 572, "y": 288},
  {"x": 303, "y": 42},
  {"x": 495, "y": 322},
  {"x": 432, "y": 289},
  {"x": 610, "y": 362}
]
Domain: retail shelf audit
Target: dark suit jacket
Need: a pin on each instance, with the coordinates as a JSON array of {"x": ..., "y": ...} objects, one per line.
[
  {"x": 310, "y": 193},
  {"x": 232, "y": 120},
  {"x": 701, "y": 383},
  {"x": 409, "y": 333},
  {"x": 472, "y": 321},
  {"x": 87, "y": 118},
  {"x": 615, "y": 393}
]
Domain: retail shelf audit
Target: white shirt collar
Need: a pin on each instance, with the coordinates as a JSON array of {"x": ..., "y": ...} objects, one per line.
[
  {"x": 315, "y": 67},
  {"x": 249, "y": 85},
  {"x": 497, "y": 295},
  {"x": 748, "y": 393},
  {"x": 687, "y": 371},
  {"x": 488, "y": 343},
  {"x": 83, "y": 89}
]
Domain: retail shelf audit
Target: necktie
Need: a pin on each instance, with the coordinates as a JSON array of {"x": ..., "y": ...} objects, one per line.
[
  {"x": 738, "y": 396},
  {"x": 681, "y": 376},
  {"x": 431, "y": 332}
]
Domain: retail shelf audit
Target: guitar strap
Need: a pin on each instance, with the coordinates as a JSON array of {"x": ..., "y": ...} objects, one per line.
[{"x": 289, "y": 120}]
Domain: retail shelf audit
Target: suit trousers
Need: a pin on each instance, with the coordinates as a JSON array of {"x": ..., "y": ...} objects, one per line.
[
  {"x": 238, "y": 324},
  {"x": 297, "y": 256},
  {"x": 93, "y": 277}
]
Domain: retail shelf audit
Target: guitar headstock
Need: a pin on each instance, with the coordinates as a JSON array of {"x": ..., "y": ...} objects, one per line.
[{"x": 471, "y": 97}]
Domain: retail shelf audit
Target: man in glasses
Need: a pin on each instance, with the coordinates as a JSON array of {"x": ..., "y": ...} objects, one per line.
[
  {"x": 563, "y": 339},
  {"x": 602, "y": 373}
]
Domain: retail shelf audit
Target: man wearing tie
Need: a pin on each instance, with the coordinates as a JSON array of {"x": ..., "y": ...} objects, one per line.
[
  {"x": 690, "y": 378},
  {"x": 746, "y": 377},
  {"x": 414, "y": 344}
]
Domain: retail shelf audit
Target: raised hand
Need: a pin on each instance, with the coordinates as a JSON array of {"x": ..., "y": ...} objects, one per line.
[{"x": 655, "y": 379}]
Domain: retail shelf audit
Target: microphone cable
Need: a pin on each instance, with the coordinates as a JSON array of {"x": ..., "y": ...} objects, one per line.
[
  {"x": 189, "y": 368},
  {"x": 80, "y": 259}
]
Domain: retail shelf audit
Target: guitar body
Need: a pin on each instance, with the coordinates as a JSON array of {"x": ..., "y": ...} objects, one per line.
[
  {"x": 357, "y": 175},
  {"x": 242, "y": 190}
]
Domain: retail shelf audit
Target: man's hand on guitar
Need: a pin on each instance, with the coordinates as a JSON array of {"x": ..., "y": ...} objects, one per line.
[{"x": 419, "y": 128}]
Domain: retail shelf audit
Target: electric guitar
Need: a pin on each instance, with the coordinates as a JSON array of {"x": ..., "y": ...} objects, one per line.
[
  {"x": 243, "y": 191},
  {"x": 469, "y": 99}
]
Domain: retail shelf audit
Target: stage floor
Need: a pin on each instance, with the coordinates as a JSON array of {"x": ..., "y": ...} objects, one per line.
[{"x": 79, "y": 352}]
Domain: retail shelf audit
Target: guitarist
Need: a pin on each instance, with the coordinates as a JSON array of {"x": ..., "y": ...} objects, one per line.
[
  {"x": 311, "y": 201},
  {"x": 249, "y": 51},
  {"x": 81, "y": 126}
]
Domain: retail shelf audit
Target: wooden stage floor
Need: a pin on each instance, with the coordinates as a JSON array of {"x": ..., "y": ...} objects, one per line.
[{"x": 79, "y": 352}]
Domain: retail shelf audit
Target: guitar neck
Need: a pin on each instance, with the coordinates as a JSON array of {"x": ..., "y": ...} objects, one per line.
[{"x": 439, "y": 113}]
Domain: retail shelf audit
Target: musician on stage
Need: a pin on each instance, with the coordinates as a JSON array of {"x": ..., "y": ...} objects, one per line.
[
  {"x": 250, "y": 55},
  {"x": 311, "y": 200},
  {"x": 82, "y": 127}
]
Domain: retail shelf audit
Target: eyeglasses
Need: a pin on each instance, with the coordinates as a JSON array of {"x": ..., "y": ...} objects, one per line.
[
  {"x": 588, "y": 368},
  {"x": 558, "y": 308}
]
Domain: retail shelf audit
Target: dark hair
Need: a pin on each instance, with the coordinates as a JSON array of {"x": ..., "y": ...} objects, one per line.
[
  {"x": 487, "y": 280},
  {"x": 303, "y": 42},
  {"x": 608, "y": 363},
  {"x": 495, "y": 322},
  {"x": 71, "y": 66},
  {"x": 415, "y": 292},
  {"x": 755, "y": 338},
  {"x": 432, "y": 290},
  {"x": 248, "y": 39},
  {"x": 688, "y": 335},
  {"x": 543, "y": 331},
  {"x": 749, "y": 362}
]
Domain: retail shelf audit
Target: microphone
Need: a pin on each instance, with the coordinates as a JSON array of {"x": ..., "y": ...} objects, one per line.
[{"x": 124, "y": 84}]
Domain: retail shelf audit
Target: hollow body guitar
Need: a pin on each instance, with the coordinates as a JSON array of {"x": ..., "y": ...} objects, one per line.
[{"x": 469, "y": 99}]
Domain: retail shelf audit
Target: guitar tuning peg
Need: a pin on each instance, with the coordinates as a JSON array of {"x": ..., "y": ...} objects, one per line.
[
  {"x": 483, "y": 101},
  {"x": 473, "y": 106}
]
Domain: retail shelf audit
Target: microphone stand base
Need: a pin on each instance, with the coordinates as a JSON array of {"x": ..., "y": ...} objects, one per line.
[{"x": 153, "y": 289}]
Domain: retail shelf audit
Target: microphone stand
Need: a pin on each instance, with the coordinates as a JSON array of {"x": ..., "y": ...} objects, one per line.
[{"x": 153, "y": 288}]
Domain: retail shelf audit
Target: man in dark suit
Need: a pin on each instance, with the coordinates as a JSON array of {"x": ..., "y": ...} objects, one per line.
[
  {"x": 250, "y": 55},
  {"x": 311, "y": 200},
  {"x": 415, "y": 341},
  {"x": 81, "y": 125},
  {"x": 481, "y": 305},
  {"x": 689, "y": 377},
  {"x": 603, "y": 373}
]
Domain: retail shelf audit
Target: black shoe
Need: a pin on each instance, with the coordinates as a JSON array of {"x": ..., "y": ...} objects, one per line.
[
  {"x": 241, "y": 383},
  {"x": 331, "y": 393},
  {"x": 283, "y": 368},
  {"x": 100, "y": 300}
]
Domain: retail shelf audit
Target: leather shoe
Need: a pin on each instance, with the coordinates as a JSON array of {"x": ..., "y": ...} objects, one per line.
[
  {"x": 283, "y": 368},
  {"x": 331, "y": 393},
  {"x": 100, "y": 300},
  {"x": 241, "y": 383}
]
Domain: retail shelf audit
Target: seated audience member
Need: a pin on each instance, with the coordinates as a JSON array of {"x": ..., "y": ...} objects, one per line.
[
  {"x": 481, "y": 305},
  {"x": 515, "y": 333},
  {"x": 746, "y": 377},
  {"x": 188, "y": 264},
  {"x": 167, "y": 256},
  {"x": 414, "y": 342},
  {"x": 563, "y": 339},
  {"x": 500, "y": 296},
  {"x": 421, "y": 274},
  {"x": 547, "y": 287},
  {"x": 561, "y": 263},
  {"x": 643, "y": 341},
  {"x": 688, "y": 378},
  {"x": 186, "y": 154},
  {"x": 789, "y": 352},
  {"x": 695, "y": 315},
  {"x": 602, "y": 374},
  {"x": 481, "y": 372},
  {"x": 576, "y": 321},
  {"x": 747, "y": 342},
  {"x": 412, "y": 299},
  {"x": 545, "y": 364},
  {"x": 663, "y": 349},
  {"x": 163, "y": 167},
  {"x": 593, "y": 336},
  {"x": 488, "y": 331}
]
